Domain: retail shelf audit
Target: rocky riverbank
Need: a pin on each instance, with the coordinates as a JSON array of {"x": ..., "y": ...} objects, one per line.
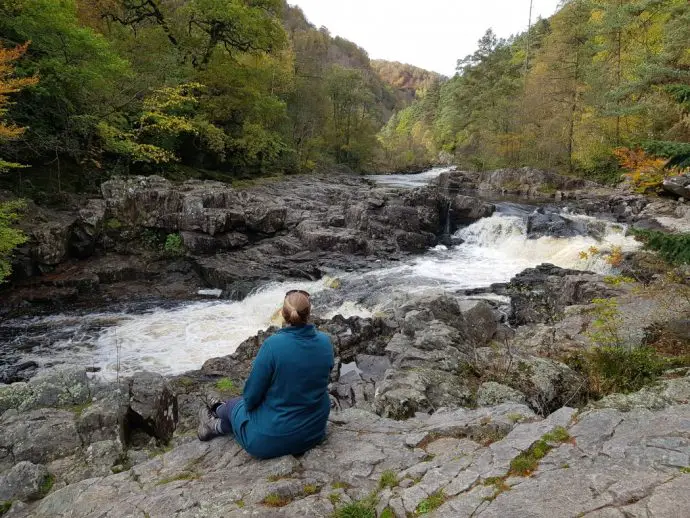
[
  {"x": 148, "y": 236},
  {"x": 447, "y": 407},
  {"x": 440, "y": 406}
]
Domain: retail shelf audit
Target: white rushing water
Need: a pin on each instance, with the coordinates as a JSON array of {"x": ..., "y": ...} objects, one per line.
[
  {"x": 172, "y": 341},
  {"x": 409, "y": 180},
  {"x": 497, "y": 248}
]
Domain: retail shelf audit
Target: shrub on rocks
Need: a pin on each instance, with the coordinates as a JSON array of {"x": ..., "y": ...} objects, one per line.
[{"x": 619, "y": 368}]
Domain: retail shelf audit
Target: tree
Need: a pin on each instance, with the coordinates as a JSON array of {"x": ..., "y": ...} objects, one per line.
[
  {"x": 10, "y": 237},
  {"x": 559, "y": 83},
  {"x": 669, "y": 74},
  {"x": 83, "y": 81},
  {"x": 9, "y": 85},
  {"x": 351, "y": 123}
]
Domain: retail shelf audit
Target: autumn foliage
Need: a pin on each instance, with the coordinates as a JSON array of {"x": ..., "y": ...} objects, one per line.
[
  {"x": 10, "y": 237},
  {"x": 646, "y": 172},
  {"x": 9, "y": 85}
]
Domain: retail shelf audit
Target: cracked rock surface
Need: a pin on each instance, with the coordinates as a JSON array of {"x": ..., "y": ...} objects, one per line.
[{"x": 613, "y": 464}]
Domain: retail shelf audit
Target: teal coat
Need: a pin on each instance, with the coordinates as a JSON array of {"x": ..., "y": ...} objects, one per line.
[{"x": 285, "y": 405}]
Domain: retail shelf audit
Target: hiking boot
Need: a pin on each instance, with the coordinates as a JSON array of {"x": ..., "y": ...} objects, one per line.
[
  {"x": 214, "y": 403},
  {"x": 209, "y": 425}
]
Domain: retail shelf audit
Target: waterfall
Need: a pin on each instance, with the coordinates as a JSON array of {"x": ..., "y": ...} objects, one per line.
[{"x": 446, "y": 226}]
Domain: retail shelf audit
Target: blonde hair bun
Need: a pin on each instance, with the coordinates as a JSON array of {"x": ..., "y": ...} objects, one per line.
[{"x": 296, "y": 308}]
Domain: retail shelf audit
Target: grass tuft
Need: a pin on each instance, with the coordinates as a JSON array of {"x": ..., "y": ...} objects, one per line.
[
  {"x": 388, "y": 479},
  {"x": 46, "y": 486},
  {"x": 276, "y": 500},
  {"x": 558, "y": 435},
  {"x": 311, "y": 489},
  {"x": 226, "y": 385},
  {"x": 431, "y": 503},
  {"x": 365, "y": 508},
  {"x": 528, "y": 461}
]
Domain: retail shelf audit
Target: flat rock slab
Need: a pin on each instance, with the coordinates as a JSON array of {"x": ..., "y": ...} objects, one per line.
[{"x": 615, "y": 464}]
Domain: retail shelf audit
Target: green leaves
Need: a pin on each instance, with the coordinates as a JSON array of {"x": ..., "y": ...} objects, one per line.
[
  {"x": 10, "y": 237},
  {"x": 232, "y": 26},
  {"x": 601, "y": 74}
]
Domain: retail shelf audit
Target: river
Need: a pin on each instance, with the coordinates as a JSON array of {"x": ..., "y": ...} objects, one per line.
[{"x": 175, "y": 339}]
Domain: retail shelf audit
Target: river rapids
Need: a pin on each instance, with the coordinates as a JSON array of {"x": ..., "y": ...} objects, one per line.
[{"x": 175, "y": 339}]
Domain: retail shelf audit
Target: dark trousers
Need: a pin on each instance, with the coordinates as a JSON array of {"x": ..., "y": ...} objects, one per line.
[{"x": 224, "y": 412}]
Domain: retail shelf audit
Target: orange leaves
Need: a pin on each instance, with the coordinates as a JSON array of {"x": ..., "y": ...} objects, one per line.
[
  {"x": 10, "y": 84},
  {"x": 646, "y": 172}
]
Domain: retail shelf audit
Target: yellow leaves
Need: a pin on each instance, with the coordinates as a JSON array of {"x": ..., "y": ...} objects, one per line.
[
  {"x": 10, "y": 85},
  {"x": 615, "y": 257},
  {"x": 171, "y": 98},
  {"x": 124, "y": 143},
  {"x": 647, "y": 173},
  {"x": 597, "y": 16}
]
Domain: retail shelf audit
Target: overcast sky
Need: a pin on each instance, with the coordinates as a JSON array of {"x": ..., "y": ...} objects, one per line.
[{"x": 431, "y": 34}]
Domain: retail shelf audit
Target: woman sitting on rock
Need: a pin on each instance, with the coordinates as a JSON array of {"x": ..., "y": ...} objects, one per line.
[{"x": 285, "y": 405}]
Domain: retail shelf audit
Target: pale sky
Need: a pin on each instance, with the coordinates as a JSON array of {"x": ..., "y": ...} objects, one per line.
[{"x": 431, "y": 34}]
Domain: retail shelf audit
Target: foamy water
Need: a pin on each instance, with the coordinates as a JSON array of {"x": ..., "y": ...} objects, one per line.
[
  {"x": 497, "y": 248},
  {"x": 409, "y": 180},
  {"x": 173, "y": 341}
]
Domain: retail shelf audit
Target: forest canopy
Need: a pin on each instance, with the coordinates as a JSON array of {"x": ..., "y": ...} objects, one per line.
[
  {"x": 597, "y": 77},
  {"x": 237, "y": 88},
  {"x": 221, "y": 88}
]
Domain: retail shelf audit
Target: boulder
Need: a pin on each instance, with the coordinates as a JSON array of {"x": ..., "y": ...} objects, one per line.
[
  {"x": 548, "y": 384},
  {"x": 491, "y": 393},
  {"x": 23, "y": 371},
  {"x": 207, "y": 244},
  {"x": 24, "y": 481},
  {"x": 542, "y": 223},
  {"x": 51, "y": 240},
  {"x": 38, "y": 436},
  {"x": 316, "y": 237},
  {"x": 439, "y": 305},
  {"x": 61, "y": 386},
  {"x": 468, "y": 209},
  {"x": 540, "y": 294},
  {"x": 403, "y": 393},
  {"x": 103, "y": 419},
  {"x": 152, "y": 407},
  {"x": 678, "y": 185},
  {"x": 266, "y": 217},
  {"x": 481, "y": 321}
]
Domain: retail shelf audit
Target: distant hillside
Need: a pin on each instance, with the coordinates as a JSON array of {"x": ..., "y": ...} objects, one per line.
[
  {"x": 316, "y": 51},
  {"x": 405, "y": 79}
]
